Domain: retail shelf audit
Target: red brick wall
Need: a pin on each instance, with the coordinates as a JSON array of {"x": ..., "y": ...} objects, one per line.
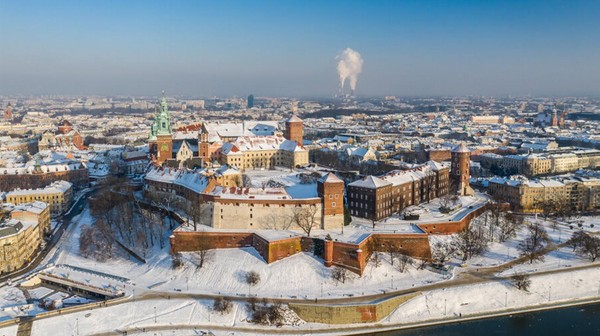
[
  {"x": 272, "y": 251},
  {"x": 439, "y": 155},
  {"x": 340, "y": 254},
  {"x": 182, "y": 241},
  {"x": 451, "y": 227}
]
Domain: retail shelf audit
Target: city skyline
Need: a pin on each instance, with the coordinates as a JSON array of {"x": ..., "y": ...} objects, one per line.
[{"x": 289, "y": 49}]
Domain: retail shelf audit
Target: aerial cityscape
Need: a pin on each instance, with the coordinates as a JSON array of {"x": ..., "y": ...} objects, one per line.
[{"x": 299, "y": 167}]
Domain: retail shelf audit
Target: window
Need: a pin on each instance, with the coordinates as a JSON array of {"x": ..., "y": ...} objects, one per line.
[{"x": 333, "y": 204}]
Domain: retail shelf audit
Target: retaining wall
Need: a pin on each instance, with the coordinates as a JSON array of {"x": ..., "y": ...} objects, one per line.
[
  {"x": 349, "y": 314},
  {"x": 352, "y": 256}
]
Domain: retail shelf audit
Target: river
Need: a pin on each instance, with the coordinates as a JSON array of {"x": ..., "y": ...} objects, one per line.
[{"x": 580, "y": 320}]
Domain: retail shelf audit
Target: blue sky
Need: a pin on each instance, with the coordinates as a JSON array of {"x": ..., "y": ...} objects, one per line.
[{"x": 275, "y": 48}]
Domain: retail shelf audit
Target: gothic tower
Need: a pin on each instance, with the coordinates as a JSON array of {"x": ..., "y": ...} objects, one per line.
[
  {"x": 164, "y": 134},
  {"x": 330, "y": 189},
  {"x": 459, "y": 170},
  {"x": 294, "y": 130},
  {"x": 203, "y": 144}
]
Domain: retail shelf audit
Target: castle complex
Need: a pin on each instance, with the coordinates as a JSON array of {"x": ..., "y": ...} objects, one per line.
[
  {"x": 225, "y": 204},
  {"x": 246, "y": 145}
]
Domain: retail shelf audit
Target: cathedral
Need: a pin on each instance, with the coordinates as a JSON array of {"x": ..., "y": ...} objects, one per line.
[{"x": 245, "y": 145}]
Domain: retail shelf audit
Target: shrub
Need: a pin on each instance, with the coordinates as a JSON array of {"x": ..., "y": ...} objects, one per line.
[
  {"x": 521, "y": 281},
  {"x": 252, "y": 278},
  {"x": 222, "y": 305}
]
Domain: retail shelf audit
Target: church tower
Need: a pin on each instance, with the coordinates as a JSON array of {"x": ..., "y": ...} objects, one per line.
[
  {"x": 203, "y": 144},
  {"x": 163, "y": 132},
  {"x": 294, "y": 130},
  {"x": 460, "y": 170}
]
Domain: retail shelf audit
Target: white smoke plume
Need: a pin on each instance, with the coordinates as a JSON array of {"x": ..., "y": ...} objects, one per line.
[{"x": 349, "y": 66}]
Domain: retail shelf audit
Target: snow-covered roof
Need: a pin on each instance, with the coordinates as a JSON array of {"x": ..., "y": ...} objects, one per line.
[
  {"x": 294, "y": 118},
  {"x": 258, "y": 143},
  {"x": 371, "y": 182},
  {"x": 330, "y": 178},
  {"x": 251, "y": 193},
  {"x": 54, "y": 188},
  {"x": 461, "y": 149}
]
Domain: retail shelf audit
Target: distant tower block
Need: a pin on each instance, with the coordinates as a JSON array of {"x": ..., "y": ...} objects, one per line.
[
  {"x": 460, "y": 170},
  {"x": 250, "y": 101},
  {"x": 294, "y": 130}
]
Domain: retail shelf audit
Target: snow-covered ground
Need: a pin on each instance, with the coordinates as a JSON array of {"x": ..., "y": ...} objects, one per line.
[
  {"x": 299, "y": 275},
  {"x": 500, "y": 295},
  {"x": 469, "y": 300}
]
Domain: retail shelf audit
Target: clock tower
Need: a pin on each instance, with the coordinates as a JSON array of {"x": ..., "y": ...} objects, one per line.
[{"x": 163, "y": 132}]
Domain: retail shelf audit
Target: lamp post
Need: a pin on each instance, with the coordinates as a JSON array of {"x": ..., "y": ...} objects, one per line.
[
  {"x": 445, "y": 301},
  {"x": 168, "y": 200},
  {"x": 154, "y": 314},
  {"x": 505, "y": 299}
]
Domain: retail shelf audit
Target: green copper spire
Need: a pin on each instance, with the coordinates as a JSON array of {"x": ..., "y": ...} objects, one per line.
[{"x": 163, "y": 119}]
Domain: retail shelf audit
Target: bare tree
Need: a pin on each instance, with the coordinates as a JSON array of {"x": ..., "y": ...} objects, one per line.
[
  {"x": 222, "y": 305},
  {"x": 547, "y": 207},
  {"x": 585, "y": 245},
  {"x": 442, "y": 251},
  {"x": 203, "y": 254},
  {"x": 392, "y": 252},
  {"x": 521, "y": 281},
  {"x": 198, "y": 213},
  {"x": 277, "y": 221},
  {"x": 376, "y": 258},
  {"x": 508, "y": 226},
  {"x": 532, "y": 247},
  {"x": 403, "y": 261},
  {"x": 339, "y": 274},
  {"x": 252, "y": 278},
  {"x": 577, "y": 239},
  {"x": 471, "y": 242},
  {"x": 176, "y": 260},
  {"x": 428, "y": 185},
  {"x": 305, "y": 218},
  {"x": 86, "y": 241},
  {"x": 591, "y": 248}
]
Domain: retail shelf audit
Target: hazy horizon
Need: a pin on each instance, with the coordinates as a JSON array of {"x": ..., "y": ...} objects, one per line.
[{"x": 276, "y": 48}]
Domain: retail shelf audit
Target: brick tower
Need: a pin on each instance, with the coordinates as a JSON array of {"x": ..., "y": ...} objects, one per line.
[
  {"x": 294, "y": 130},
  {"x": 203, "y": 145},
  {"x": 331, "y": 191},
  {"x": 460, "y": 170}
]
